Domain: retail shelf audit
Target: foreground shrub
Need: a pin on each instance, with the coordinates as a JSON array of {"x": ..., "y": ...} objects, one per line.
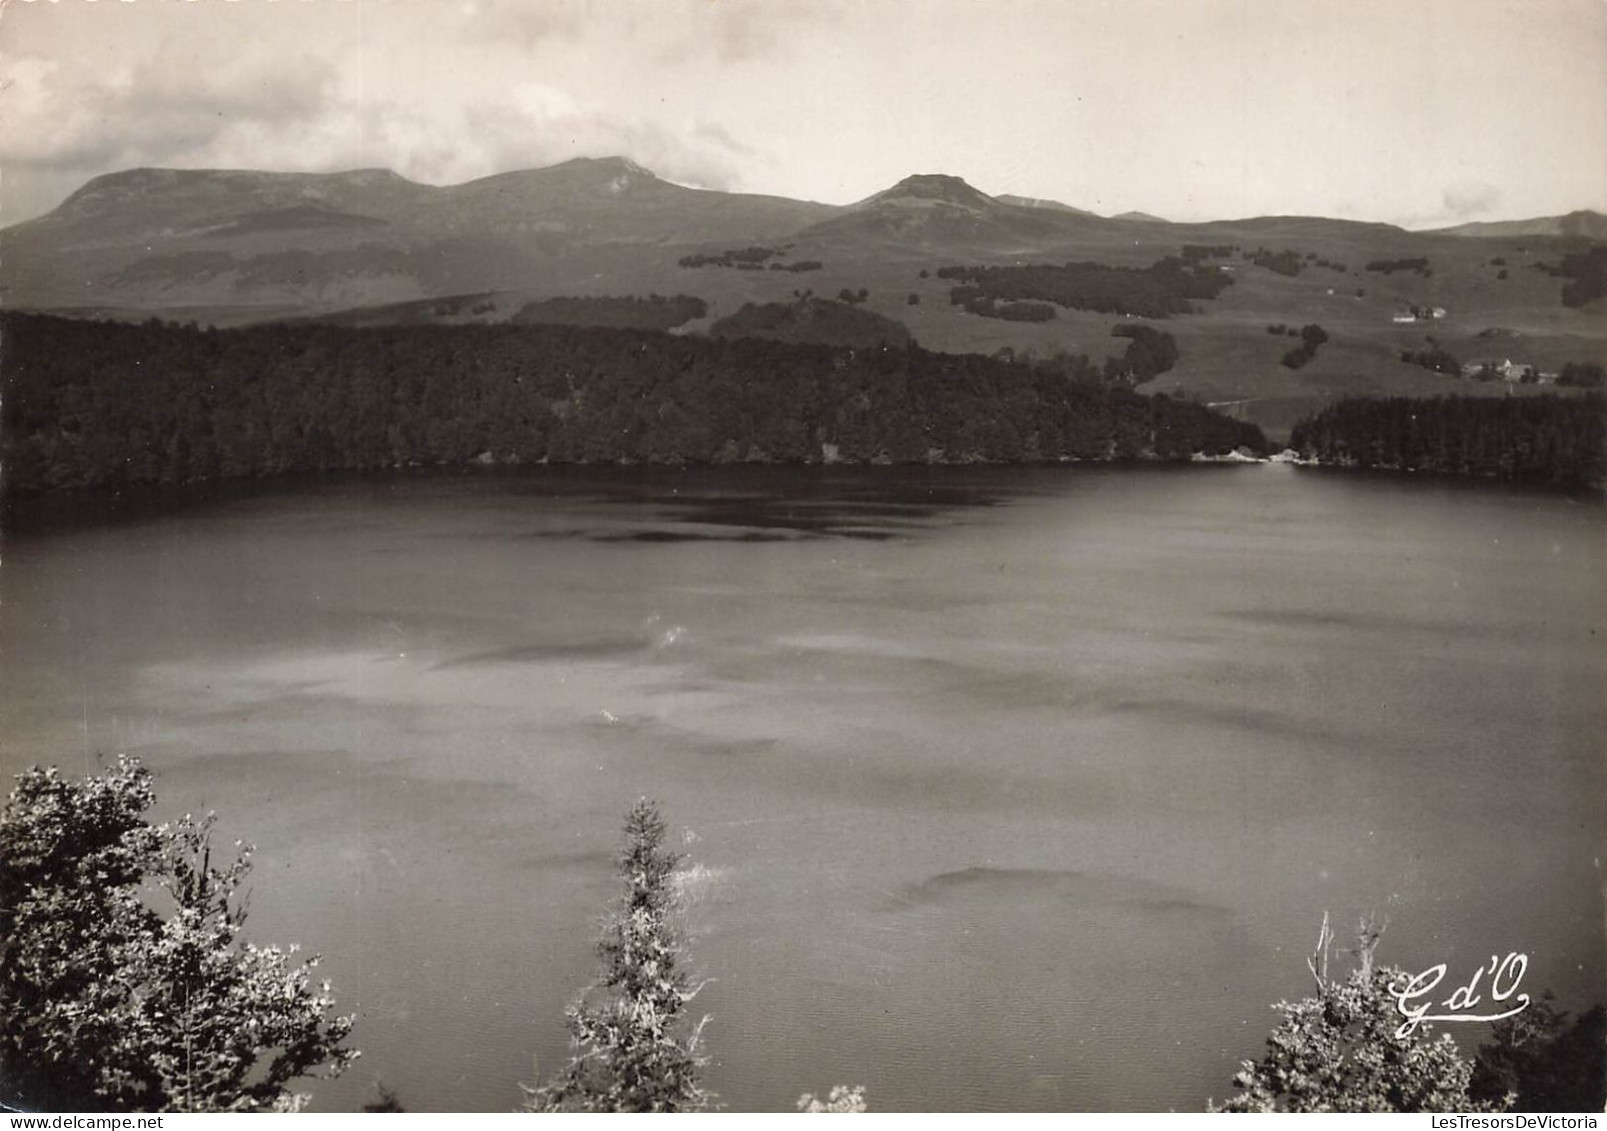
[
  {"x": 1551, "y": 1060},
  {"x": 844, "y": 1100},
  {"x": 105, "y": 1003},
  {"x": 1340, "y": 1051}
]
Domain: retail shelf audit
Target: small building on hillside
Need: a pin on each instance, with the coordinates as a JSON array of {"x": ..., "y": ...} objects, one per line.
[
  {"x": 1419, "y": 314},
  {"x": 1512, "y": 372}
]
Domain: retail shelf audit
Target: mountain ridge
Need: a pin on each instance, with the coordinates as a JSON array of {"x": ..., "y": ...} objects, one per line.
[{"x": 1583, "y": 223}]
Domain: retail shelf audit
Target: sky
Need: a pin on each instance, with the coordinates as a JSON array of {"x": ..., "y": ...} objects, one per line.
[{"x": 1415, "y": 112}]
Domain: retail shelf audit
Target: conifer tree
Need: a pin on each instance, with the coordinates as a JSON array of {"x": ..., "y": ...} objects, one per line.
[{"x": 633, "y": 1046}]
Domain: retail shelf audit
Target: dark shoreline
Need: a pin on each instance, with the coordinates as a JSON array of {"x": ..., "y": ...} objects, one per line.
[
  {"x": 75, "y": 508},
  {"x": 1589, "y": 489},
  {"x": 78, "y": 508}
]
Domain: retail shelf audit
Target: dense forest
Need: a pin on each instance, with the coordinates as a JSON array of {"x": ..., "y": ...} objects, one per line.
[
  {"x": 104, "y": 405},
  {"x": 1164, "y": 288},
  {"x": 655, "y": 312},
  {"x": 809, "y": 319},
  {"x": 1545, "y": 439}
]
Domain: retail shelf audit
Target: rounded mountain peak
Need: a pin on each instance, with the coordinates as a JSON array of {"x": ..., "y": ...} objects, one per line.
[
  {"x": 933, "y": 188},
  {"x": 603, "y": 168},
  {"x": 578, "y": 178}
]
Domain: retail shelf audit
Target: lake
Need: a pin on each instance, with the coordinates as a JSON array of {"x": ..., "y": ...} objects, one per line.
[{"x": 1000, "y": 788}]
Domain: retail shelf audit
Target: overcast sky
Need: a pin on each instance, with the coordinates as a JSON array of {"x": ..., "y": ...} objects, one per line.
[{"x": 1418, "y": 112}]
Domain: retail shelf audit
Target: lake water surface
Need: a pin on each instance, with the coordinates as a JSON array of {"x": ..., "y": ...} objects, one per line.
[{"x": 1003, "y": 789}]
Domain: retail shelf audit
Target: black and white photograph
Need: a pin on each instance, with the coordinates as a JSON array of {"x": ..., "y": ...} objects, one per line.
[{"x": 803, "y": 556}]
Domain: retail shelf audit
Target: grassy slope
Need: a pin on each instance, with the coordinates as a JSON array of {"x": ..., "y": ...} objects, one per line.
[{"x": 1227, "y": 354}]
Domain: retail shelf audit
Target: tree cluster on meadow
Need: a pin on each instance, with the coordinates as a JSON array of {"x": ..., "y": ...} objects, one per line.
[
  {"x": 1585, "y": 272},
  {"x": 1166, "y": 287},
  {"x": 1312, "y": 336}
]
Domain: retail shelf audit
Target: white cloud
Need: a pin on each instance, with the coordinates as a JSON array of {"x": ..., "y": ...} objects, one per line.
[
  {"x": 1470, "y": 199},
  {"x": 61, "y": 115},
  {"x": 521, "y": 24},
  {"x": 1232, "y": 106},
  {"x": 729, "y": 32},
  {"x": 63, "y": 121}
]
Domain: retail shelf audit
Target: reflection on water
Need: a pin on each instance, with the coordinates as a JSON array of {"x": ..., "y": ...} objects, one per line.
[{"x": 1005, "y": 788}]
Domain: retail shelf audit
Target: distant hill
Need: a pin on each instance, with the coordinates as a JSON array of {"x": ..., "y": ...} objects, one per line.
[
  {"x": 940, "y": 213},
  {"x": 1583, "y": 224},
  {"x": 166, "y": 237},
  {"x": 1141, "y": 217},
  {"x": 1303, "y": 227}
]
